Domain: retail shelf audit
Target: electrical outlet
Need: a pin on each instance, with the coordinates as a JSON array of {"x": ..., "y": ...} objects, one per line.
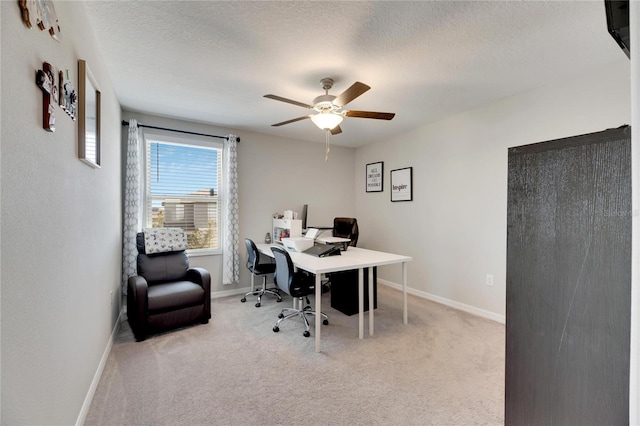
[{"x": 489, "y": 280}]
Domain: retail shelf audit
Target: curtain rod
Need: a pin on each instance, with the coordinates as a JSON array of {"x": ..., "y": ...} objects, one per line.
[{"x": 126, "y": 123}]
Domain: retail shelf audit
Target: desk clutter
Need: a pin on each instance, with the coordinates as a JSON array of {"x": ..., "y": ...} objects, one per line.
[{"x": 286, "y": 228}]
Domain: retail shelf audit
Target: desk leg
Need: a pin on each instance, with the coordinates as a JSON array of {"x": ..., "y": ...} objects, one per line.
[
  {"x": 371, "y": 306},
  {"x": 405, "y": 315},
  {"x": 318, "y": 316},
  {"x": 360, "y": 304}
]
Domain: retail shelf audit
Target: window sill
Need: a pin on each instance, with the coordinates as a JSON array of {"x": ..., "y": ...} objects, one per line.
[{"x": 203, "y": 252}]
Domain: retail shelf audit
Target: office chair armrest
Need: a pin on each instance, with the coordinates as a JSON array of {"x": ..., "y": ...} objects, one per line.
[
  {"x": 137, "y": 304},
  {"x": 202, "y": 277}
]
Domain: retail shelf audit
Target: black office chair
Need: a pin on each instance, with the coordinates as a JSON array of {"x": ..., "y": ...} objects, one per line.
[
  {"x": 343, "y": 227},
  {"x": 296, "y": 284},
  {"x": 259, "y": 264},
  {"x": 346, "y": 227}
]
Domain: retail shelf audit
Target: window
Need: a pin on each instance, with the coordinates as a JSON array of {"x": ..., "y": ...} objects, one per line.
[{"x": 183, "y": 188}]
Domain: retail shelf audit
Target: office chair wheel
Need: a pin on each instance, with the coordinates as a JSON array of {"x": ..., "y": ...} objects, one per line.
[
  {"x": 306, "y": 333},
  {"x": 244, "y": 299},
  {"x": 280, "y": 315},
  {"x": 279, "y": 300},
  {"x": 258, "y": 305},
  {"x": 325, "y": 322},
  {"x": 276, "y": 329}
]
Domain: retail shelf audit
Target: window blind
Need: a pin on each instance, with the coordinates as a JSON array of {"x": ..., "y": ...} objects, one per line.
[{"x": 183, "y": 190}]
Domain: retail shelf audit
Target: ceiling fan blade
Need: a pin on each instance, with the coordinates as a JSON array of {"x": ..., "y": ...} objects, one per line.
[
  {"x": 336, "y": 130},
  {"x": 290, "y": 121},
  {"x": 370, "y": 114},
  {"x": 289, "y": 101},
  {"x": 351, "y": 93}
]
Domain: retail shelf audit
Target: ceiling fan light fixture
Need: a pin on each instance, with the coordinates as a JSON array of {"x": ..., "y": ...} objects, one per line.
[{"x": 327, "y": 120}]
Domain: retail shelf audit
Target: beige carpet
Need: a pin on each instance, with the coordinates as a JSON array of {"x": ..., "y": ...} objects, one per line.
[{"x": 445, "y": 367}]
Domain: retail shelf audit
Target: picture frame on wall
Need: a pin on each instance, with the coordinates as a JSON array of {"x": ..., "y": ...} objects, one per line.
[
  {"x": 402, "y": 184},
  {"x": 375, "y": 177},
  {"x": 88, "y": 116}
]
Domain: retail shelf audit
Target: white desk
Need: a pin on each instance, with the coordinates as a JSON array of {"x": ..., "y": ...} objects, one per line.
[{"x": 352, "y": 258}]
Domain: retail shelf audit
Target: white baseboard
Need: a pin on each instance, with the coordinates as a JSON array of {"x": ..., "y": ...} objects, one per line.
[
  {"x": 233, "y": 292},
  {"x": 447, "y": 302},
  {"x": 422, "y": 294},
  {"x": 84, "y": 410}
]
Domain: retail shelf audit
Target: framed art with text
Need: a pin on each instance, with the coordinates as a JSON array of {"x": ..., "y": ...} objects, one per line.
[
  {"x": 402, "y": 184},
  {"x": 375, "y": 176}
]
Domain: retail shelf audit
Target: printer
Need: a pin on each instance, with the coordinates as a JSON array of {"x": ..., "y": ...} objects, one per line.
[{"x": 301, "y": 244}]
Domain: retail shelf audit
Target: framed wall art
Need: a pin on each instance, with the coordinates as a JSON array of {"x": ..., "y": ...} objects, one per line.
[
  {"x": 375, "y": 177},
  {"x": 402, "y": 184},
  {"x": 88, "y": 116}
]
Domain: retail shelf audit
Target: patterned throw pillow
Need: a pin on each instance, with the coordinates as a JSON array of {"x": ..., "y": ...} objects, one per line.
[{"x": 162, "y": 240}]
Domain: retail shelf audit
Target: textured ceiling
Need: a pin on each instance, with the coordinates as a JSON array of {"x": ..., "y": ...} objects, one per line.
[{"x": 212, "y": 61}]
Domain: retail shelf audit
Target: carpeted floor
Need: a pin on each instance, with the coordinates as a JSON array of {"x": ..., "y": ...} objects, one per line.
[{"x": 445, "y": 367}]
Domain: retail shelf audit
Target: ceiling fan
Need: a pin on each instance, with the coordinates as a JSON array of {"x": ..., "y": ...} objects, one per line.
[{"x": 329, "y": 112}]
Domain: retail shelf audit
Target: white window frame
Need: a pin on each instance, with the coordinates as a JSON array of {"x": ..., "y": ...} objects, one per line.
[{"x": 185, "y": 139}]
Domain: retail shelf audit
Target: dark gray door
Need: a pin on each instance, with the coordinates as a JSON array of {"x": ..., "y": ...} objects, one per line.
[{"x": 569, "y": 281}]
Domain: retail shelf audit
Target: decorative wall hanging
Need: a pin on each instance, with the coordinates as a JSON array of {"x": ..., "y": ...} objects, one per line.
[
  {"x": 68, "y": 96},
  {"x": 46, "y": 81},
  {"x": 402, "y": 184},
  {"x": 40, "y": 13},
  {"x": 88, "y": 116},
  {"x": 375, "y": 176}
]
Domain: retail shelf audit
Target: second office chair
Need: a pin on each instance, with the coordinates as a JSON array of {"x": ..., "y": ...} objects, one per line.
[
  {"x": 296, "y": 284},
  {"x": 258, "y": 265}
]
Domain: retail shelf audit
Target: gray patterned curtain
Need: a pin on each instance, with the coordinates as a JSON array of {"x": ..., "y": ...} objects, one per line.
[
  {"x": 230, "y": 215},
  {"x": 131, "y": 223}
]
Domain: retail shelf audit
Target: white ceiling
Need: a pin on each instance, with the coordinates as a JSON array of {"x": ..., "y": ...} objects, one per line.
[{"x": 212, "y": 61}]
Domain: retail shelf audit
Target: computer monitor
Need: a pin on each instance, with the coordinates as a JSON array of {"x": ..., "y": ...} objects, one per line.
[{"x": 304, "y": 216}]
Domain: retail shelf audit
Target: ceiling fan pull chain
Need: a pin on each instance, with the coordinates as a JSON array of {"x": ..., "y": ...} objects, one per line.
[{"x": 327, "y": 145}]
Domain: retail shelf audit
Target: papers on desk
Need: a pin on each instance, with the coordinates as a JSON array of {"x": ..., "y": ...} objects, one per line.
[
  {"x": 298, "y": 244},
  {"x": 312, "y": 233}
]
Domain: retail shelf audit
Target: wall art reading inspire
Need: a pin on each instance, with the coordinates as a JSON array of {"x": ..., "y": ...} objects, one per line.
[{"x": 402, "y": 184}]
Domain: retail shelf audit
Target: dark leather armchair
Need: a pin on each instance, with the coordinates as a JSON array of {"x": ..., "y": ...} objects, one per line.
[
  {"x": 166, "y": 293},
  {"x": 346, "y": 227}
]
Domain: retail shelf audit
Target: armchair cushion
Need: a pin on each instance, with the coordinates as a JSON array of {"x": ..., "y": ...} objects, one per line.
[
  {"x": 169, "y": 296},
  {"x": 163, "y": 267}
]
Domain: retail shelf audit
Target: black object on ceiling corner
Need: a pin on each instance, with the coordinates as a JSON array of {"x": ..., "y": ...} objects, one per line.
[{"x": 618, "y": 23}]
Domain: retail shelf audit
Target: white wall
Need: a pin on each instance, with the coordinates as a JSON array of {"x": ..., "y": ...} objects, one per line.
[
  {"x": 61, "y": 228},
  {"x": 455, "y": 229},
  {"x": 274, "y": 174}
]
